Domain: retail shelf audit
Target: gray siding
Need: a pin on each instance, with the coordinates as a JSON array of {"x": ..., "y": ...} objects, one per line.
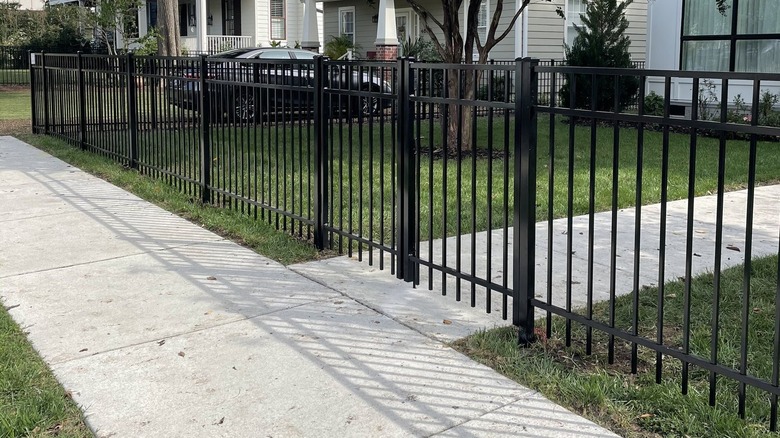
[
  {"x": 546, "y": 30},
  {"x": 365, "y": 30},
  {"x": 506, "y": 48},
  {"x": 545, "y": 27}
]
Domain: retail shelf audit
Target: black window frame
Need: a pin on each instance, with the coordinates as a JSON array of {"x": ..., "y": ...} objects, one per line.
[{"x": 733, "y": 37}]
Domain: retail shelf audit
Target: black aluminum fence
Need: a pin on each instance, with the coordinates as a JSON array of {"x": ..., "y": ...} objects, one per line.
[
  {"x": 14, "y": 66},
  {"x": 484, "y": 197}
]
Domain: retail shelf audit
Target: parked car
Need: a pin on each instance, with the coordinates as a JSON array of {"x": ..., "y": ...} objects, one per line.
[{"x": 231, "y": 76}]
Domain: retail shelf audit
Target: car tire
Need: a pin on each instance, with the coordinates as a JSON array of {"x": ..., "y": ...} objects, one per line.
[
  {"x": 368, "y": 105},
  {"x": 244, "y": 108}
]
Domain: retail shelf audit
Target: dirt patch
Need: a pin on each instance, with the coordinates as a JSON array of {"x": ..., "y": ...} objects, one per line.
[
  {"x": 14, "y": 88},
  {"x": 12, "y": 127}
]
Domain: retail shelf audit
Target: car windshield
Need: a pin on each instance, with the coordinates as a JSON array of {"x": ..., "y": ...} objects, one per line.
[{"x": 235, "y": 53}]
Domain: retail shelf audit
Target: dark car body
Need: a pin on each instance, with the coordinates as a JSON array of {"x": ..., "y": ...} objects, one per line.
[{"x": 285, "y": 77}]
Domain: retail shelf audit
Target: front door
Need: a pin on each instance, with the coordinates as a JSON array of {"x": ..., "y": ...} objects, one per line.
[
  {"x": 406, "y": 27},
  {"x": 231, "y": 17}
]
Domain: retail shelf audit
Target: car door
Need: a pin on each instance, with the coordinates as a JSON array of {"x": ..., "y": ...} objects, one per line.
[
  {"x": 274, "y": 97},
  {"x": 303, "y": 78}
]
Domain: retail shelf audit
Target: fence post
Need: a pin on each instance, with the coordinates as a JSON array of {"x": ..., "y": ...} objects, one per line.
[
  {"x": 82, "y": 102},
  {"x": 132, "y": 113},
  {"x": 320, "y": 155},
  {"x": 406, "y": 176},
  {"x": 45, "y": 94},
  {"x": 205, "y": 140},
  {"x": 33, "y": 106},
  {"x": 524, "y": 247}
]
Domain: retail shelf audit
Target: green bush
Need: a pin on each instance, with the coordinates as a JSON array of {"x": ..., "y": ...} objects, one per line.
[
  {"x": 654, "y": 104},
  {"x": 499, "y": 88},
  {"x": 601, "y": 42},
  {"x": 338, "y": 47},
  {"x": 147, "y": 45},
  {"x": 421, "y": 49}
]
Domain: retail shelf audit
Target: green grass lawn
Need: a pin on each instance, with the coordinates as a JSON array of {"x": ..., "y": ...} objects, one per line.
[
  {"x": 275, "y": 165},
  {"x": 14, "y": 104},
  {"x": 14, "y": 77},
  {"x": 635, "y": 406}
]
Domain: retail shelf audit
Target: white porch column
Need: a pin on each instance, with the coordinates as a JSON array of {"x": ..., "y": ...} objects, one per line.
[
  {"x": 201, "y": 24},
  {"x": 386, "y": 31},
  {"x": 521, "y": 34},
  {"x": 310, "y": 38}
]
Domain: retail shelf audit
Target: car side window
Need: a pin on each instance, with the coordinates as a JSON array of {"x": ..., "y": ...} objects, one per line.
[{"x": 276, "y": 54}]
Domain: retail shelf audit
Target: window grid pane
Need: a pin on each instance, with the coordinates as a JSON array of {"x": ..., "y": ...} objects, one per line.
[
  {"x": 347, "y": 24},
  {"x": 278, "y": 24},
  {"x": 703, "y": 18}
]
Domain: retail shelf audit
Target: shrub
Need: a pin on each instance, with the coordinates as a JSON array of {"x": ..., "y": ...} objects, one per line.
[
  {"x": 767, "y": 103},
  {"x": 338, "y": 46},
  {"x": 420, "y": 49},
  {"x": 654, "y": 104},
  {"x": 601, "y": 42},
  {"x": 147, "y": 45},
  {"x": 499, "y": 88}
]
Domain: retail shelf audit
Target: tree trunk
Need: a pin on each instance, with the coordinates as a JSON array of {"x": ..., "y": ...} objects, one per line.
[
  {"x": 459, "y": 117},
  {"x": 168, "y": 21}
]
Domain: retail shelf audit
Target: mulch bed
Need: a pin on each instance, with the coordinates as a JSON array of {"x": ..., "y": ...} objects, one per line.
[{"x": 439, "y": 153}]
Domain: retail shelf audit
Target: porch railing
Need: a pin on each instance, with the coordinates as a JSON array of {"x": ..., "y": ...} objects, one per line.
[{"x": 220, "y": 43}]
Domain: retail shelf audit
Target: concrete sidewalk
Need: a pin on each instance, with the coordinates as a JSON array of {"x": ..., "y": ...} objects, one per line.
[
  {"x": 424, "y": 309},
  {"x": 160, "y": 328}
]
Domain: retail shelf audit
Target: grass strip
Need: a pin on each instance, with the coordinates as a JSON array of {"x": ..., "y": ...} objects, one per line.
[
  {"x": 32, "y": 402},
  {"x": 634, "y": 405}
]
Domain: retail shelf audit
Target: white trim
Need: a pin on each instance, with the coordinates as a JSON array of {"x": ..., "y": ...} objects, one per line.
[
  {"x": 526, "y": 12},
  {"x": 566, "y": 24},
  {"x": 521, "y": 36},
  {"x": 414, "y": 22},
  {"x": 488, "y": 17}
]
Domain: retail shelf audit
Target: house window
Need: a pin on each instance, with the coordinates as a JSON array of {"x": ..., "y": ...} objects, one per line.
[
  {"x": 347, "y": 23},
  {"x": 745, "y": 39},
  {"x": 228, "y": 17},
  {"x": 183, "y": 18},
  {"x": 482, "y": 21},
  {"x": 278, "y": 21},
  {"x": 574, "y": 11}
]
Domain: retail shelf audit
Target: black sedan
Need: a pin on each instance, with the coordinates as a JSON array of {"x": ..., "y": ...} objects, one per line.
[{"x": 284, "y": 85}]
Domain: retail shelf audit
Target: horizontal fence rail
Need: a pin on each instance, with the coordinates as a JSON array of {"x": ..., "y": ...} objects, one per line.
[{"x": 528, "y": 189}]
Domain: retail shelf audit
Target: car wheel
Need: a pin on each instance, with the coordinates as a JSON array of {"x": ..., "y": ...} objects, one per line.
[
  {"x": 244, "y": 107},
  {"x": 368, "y": 105}
]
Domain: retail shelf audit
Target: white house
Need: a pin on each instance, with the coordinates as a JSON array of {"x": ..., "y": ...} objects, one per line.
[
  {"x": 694, "y": 35},
  {"x": 217, "y": 25},
  {"x": 539, "y": 32},
  {"x": 33, "y": 5}
]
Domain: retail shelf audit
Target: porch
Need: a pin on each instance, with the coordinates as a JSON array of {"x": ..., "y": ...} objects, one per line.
[
  {"x": 216, "y": 25},
  {"x": 217, "y": 43}
]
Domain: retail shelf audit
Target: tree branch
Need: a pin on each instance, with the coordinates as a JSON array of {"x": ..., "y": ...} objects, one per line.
[
  {"x": 494, "y": 26},
  {"x": 426, "y": 15}
]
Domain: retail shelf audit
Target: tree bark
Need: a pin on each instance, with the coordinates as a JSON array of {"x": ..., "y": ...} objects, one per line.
[{"x": 167, "y": 20}]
